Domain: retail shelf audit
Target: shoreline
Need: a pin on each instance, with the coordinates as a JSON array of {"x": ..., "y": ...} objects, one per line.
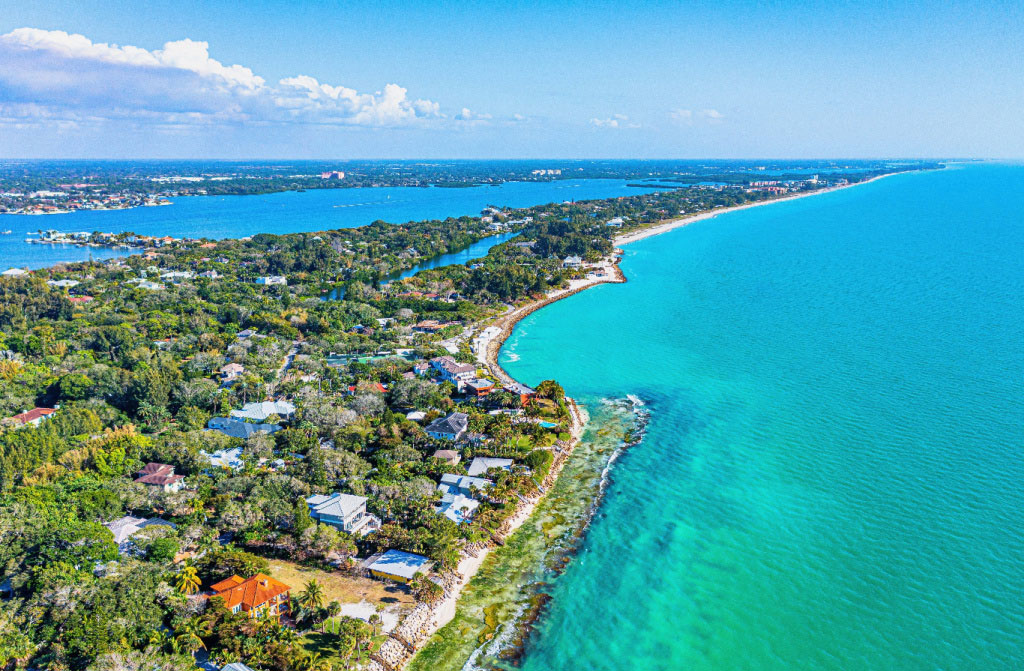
[
  {"x": 420, "y": 625},
  {"x": 671, "y": 225},
  {"x": 606, "y": 271},
  {"x": 612, "y": 274}
]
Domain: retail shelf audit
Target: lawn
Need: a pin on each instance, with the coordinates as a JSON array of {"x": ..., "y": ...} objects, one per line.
[{"x": 341, "y": 587}]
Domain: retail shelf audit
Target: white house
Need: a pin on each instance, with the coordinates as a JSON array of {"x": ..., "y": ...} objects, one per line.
[
  {"x": 572, "y": 262},
  {"x": 481, "y": 465},
  {"x": 257, "y": 412},
  {"x": 453, "y": 371},
  {"x": 125, "y": 527},
  {"x": 269, "y": 280}
]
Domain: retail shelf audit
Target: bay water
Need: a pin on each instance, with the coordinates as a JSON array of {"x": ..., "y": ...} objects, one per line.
[{"x": 219, "y": 217}]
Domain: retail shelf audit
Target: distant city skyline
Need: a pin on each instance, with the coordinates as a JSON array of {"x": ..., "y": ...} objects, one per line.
[{"x": 524, "y": 79}]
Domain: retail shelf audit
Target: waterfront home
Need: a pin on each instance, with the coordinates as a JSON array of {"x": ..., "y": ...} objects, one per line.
[
  {"x": 33, "y": 417},
  {"x": 14, "y": 272},
  {"x": 258, "y": 596},
  {"x": 521, "y": 390},
  {"x": 479, "y": 387},
  {"x": 399, "y": 566},
  {"x": 448, "y": 456},
  {"x": 453, "y": 371},
  {"x": 572, "y": 262},
  {"x": 124, "y": 528},
  {"x": 453, "y": 485},
  {"x": 458, "y": 508},
  {"x": 451, "y": 427},
  {"x": 270, "y": 280},
  {"x": 481, "y": 465},
  {"x": 343, "y": 511},
  {"x": 231, "y": 459},
  {"x": 160, "y": 476},
  {"x": 236, "y": 428},
  {"x": 257, "y": 412},
  {"x": 616, "y": 222}
]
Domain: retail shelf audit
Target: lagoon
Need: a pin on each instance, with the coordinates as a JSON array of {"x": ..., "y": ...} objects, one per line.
[{"x": 288, "y": 212}]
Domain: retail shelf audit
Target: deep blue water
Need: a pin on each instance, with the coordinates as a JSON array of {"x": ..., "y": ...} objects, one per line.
[
  {"x": 832, "y": 477},
  {"x": 289, "y": 212}
]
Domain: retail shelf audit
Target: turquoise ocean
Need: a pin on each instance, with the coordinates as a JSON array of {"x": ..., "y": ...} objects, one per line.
[{"x": 833, "y": 471}]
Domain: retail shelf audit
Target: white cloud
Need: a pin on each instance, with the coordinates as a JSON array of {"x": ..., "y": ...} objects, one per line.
[
  {"x": 57, "y": 76},
  {"x": 614, "y": 121},
  {"x": 687, "y": 117},
  {"x": 682, "y": 115}
]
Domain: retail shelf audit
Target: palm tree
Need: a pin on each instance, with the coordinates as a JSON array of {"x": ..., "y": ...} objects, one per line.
[
  {"x": 187, "y": 580},
  {"x": 158, "y": 638},
  {"x": 312, "y": 662},
  {"x": 374, "y": 621},
  {"x": 333, "y": 610},
  {"x": 312, "y": 597},
  {"x": 190, "y": 635}
]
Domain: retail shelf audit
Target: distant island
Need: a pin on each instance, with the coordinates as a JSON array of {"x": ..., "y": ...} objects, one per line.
[{"x": 58, "y": 187}]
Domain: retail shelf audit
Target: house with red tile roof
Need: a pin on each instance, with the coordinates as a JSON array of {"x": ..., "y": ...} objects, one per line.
[
  {"x": 35, "y": 417},
  {"x": 259, "y": 596},
  {"x": 162, "y": 476}
]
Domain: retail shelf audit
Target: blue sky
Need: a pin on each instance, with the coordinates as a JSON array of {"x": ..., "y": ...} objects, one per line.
[{"x": 521, "y": 79}]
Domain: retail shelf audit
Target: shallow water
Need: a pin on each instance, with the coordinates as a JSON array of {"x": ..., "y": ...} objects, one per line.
[
  {"x": 511, "y": 586},
  {"x": 832, "y": 473}
]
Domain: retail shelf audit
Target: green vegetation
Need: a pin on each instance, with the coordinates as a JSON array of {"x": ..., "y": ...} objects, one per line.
[{"x": 134, "y": 375}]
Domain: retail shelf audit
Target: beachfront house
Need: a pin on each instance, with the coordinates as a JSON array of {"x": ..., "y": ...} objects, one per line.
[
  {"x": 399, "y": 566},
  {"x": 572, "y": 262},
  {"x": 481, "y": 465},
  {"x": 479, "y": 387},
  {"x": 522, "y": 391},
  {"x": 160, "y": 476},
  {"x": 458, "y": 508},
  {"x": 259, "y": 596},
  {"x": 453, "y": 485},
  {"x": 343, "y": 511},
  {"x": 452, "y": 427}
]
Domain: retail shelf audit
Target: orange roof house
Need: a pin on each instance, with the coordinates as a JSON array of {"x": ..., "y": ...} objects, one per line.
[{"x": 259, "y": 596}]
